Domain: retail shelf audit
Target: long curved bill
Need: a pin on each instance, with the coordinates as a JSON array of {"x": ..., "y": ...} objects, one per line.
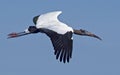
[
  {"x": 14, "y": 35},
  {"x": 86, "y": 33},
  {"x": 93, "y": 35}
]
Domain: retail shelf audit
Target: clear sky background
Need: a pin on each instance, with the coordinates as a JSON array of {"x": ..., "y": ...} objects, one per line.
[{"x": 34, "y": 54}]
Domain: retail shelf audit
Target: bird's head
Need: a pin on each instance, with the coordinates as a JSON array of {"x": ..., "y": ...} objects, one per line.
[
  {"x": 86, "y": 33},
  {"x": 30, "y": 30}
]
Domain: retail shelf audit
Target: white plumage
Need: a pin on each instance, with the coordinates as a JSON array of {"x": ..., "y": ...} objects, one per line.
[
  {"x": 59, "y": 33},
  {"x": 50, "y": 21}
]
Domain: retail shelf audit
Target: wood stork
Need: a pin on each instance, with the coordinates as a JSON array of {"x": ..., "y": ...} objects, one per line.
[{"x": 59, "y": 33}]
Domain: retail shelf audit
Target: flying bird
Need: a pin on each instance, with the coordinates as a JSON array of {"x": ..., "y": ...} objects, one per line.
[{"x": 60, "y": 34}]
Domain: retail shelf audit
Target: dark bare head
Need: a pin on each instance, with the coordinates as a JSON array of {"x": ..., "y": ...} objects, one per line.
[{"x": 86, "y": 33}]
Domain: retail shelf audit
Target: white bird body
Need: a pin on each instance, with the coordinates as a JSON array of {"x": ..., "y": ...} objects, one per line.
[
  {"x": 59, "y": 33},
  {"x": 50, "y": 21}
]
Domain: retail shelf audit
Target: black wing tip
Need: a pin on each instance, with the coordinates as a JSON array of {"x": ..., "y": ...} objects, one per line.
[
  {"x": 62, "y": 45},
  {"x": 62, "y": 59}
]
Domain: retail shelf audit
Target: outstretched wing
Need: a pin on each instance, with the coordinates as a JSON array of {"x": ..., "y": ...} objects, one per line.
[
  {"x": 62, "y": 44},
  {"x": 46, "y": 18}
]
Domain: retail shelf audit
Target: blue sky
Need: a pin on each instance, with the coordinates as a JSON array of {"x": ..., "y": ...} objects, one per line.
[{"x": 33, "y": 54}]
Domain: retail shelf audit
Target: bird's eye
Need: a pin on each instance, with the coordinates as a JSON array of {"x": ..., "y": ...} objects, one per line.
[{"x": 83, "y": 31}]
